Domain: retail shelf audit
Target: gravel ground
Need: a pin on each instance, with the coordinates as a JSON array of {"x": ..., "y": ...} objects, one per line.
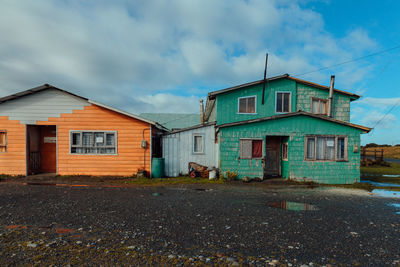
[{"x": 186, "y": 225}]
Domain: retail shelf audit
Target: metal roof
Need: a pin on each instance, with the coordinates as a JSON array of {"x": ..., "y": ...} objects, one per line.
[
  {"x": 48, "y": 86},
  {"x": 297, "y": 113},
  {"x": 212, "y": 95},
  {"x": 173, "y": 121}
]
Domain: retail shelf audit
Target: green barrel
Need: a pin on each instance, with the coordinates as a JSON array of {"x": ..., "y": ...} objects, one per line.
[{"x": 157, "y": 167}]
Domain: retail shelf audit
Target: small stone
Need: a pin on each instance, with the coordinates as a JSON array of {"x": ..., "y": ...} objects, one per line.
[
  {"x": 170, "y": 256},
  {"x": 32, "y": 245},
  {"x": 78, "y": 242},
  {"x": 131, "y": 247}
]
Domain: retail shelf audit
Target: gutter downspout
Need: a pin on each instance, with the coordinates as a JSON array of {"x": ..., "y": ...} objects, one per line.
[
  {"x": 145, "y": 148},
  {"x": 201, "y": 112},
  {"x": 331, "y": 96}
]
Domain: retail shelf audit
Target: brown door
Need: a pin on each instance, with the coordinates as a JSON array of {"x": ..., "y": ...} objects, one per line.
[
  {"x": 272, "y": 156},
  {"x": 48, "y": 151}
]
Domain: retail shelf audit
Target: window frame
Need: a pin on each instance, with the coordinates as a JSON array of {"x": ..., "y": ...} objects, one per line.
[
  {"x": 319, "y": 101},
  {"x": 5, "y": 144},
  {"x": 203, "y": 143},
  {"x": 285, "y": 147},
  {"x": 255, "y": 105},
  {"x": 251, "y": 139},
  {"x": 105, "y": 132},
  {"x": 335, "y": 159},
  {"x": 276, "y": 102}
]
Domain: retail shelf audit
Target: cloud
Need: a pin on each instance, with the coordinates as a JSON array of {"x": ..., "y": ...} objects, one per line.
[
  {"x": 380, "y": 102},
  {"x": 379, "y": 120},
  {"x": 137, "y": 54}
]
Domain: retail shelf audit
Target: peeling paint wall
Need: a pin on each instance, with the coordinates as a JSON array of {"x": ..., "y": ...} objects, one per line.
[{"x": 296, "y": 167}]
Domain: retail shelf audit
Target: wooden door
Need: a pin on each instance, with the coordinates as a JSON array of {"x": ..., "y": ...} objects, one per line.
[
  {"x": 272, "y": 165},
  {"x": 48, "y": 151}
]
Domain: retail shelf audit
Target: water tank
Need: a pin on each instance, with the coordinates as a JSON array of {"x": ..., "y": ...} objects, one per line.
[{"x": 157, "y": 167}]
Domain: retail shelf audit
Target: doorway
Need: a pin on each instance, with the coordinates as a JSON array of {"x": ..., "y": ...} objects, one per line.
[
  {"x": 41, "y": 149},
  {"x": 272, "y": 161}
]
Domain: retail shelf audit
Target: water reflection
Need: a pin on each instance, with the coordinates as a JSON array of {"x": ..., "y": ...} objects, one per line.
[
  {"x": 386, "y": 193},
  {"x": 395, "y": 205},
  {"x": 380, "y": 184},
  {"x": 295, "y": 206}
]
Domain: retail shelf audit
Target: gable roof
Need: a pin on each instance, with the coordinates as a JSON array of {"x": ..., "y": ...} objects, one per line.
[
  {"x": 297, "y": 113},
  {"x": 212, "y": 95},
  {"x": 173, "y": 121},
  {"x": 48, "y": 86}
]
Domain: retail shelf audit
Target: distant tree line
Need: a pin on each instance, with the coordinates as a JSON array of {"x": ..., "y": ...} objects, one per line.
[{"x": 376, "y": 145}]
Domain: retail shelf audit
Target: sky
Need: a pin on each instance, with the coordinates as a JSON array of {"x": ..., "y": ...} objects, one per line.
[{"x": 166, "y": 55}]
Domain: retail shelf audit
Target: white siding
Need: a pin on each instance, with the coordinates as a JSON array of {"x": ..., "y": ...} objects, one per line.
[
  {"x": 178, "y": 150},
  {"x": 40, "y": 106}
]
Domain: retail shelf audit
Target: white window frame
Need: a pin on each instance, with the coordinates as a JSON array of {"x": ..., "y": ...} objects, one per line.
[
  {"x": 255, "y": 105},
  {"x": 285, "y": 144},
  {"x": 336, "y": 137},
  {"x": 319, "y": 100},
  {"x": 193, "y": 144},
  {"x": 250, "y": 139},
  {"x": 5, "y": 144},
  {"x": 290, "y": 101},
  {"x": 93, "y": 131}
]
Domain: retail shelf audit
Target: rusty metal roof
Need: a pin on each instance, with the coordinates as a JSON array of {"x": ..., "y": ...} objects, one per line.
[
  {"x": 212, "y": 95},
  {"x": 297, "y": 113}
]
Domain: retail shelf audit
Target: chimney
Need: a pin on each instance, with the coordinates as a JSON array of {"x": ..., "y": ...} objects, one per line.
[
  {"x": 201, "y": 112},
  {"x": 331, "y": 96}
]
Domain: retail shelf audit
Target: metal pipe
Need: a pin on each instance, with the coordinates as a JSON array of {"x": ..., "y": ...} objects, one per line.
[
  {"x": 201, "y": 112},
  {"x": 144, "y": 152},
  {"x": 330, "y": 103}
]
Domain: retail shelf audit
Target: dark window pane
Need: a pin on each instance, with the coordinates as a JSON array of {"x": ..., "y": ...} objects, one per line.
[
  {"x": 110, "y": 139},
  {"x": 279, "y": 102},
  {"x": 310, "y": 148},
  {"x": 257, "y": 149},
  {"x": 340, "y": 148},
  {"x": 286, "y": 107},
  {"x": 76, "y": 139},
  {"x": 251, "y": 105},
  {"x": 242, "y": 105}
]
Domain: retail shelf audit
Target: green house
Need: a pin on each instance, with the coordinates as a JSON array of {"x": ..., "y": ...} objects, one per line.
[{"x": 302, "y": 131}]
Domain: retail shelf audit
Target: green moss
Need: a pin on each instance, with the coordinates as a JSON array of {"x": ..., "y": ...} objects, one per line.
[{"x": 377, "y": 169}]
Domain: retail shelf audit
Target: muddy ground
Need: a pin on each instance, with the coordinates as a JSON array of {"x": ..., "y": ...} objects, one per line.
[{"x": 196, "y": 225}]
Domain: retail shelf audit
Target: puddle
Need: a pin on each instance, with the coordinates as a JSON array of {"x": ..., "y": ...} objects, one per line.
[
  {"x": 391, "y": 175},
  {"x": 395, "y": 205},
  {"x": 380, "y": 184},
  {"x": 295, "y": 206},
  {"x": 386, "y": 193}
]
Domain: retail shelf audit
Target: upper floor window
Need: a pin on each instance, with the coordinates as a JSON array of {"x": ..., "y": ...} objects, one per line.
[
  {"x": 282, "y": 103},
  {"x": 3, "y": 141},
  {"x": 93, "y": 142},
  {"x": 319, "y": 106},
  {"x": 198, "y": 143},
  {"x": 247, "y": 104}
]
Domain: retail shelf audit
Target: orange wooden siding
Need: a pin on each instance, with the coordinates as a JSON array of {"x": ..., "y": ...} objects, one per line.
[
  {"x": 129, "y": 136},
  {"x": 13, "y": 161}
]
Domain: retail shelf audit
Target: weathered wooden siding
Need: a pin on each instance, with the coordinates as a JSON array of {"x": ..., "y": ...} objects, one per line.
[
  {"x": 178, "y": 150},
  {"x": 296, "y": 167},
  {"x": 130, "y": 155},
  {"x": 13, "y": 161},
  {"x": 227, "y": 104},
  {"x": 41, "y": 105},
  {"x": 340, "y": 107}
]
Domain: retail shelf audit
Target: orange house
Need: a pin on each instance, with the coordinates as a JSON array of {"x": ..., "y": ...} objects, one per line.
[{"x": 49, "y": 130}]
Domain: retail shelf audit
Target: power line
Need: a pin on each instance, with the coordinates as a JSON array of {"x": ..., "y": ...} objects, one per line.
[
  {"x": 351, "y": 60},
  {"x": 387, "y": 113}
]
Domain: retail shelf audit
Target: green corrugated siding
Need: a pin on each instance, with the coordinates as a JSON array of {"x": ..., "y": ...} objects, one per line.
[
  {"x": 296, "y": 167},
  {"x": 227, "y": 104}
]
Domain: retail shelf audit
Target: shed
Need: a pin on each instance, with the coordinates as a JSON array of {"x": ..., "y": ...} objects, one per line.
[{"x": 194, "y": 144}]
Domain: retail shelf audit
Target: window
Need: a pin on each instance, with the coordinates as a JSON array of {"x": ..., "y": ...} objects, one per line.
[
  {"x": 198, "y": 144},
  {"x": 247, "y": 104},
  {"x": 250, "y": 148},
  {"x": 319, "y": 106},
  {"x": 93, "y": 142},
  {"x": 3, "y": 141},
  {"x": 282, "y": 103},
  {"x": 326, "y": 148},
  {"x": 284, "y": 151}
]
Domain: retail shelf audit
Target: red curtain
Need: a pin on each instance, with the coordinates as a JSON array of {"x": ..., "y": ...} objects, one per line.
[{"x": 257, "y": 149}]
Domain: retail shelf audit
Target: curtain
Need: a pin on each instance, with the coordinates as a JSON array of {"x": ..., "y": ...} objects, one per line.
[
  {"x": 286, "y": 102},
  {"x": 2, "y": 142},
  {"x": 320, "y": 148},
  {"x": 315, "y": 107},
  {"x": 330, "y": 148},
  {"x": 279, "y": 107},
  {"x": 310, "y": 148},
  {"x": 245, "y": 149},
  {"x": 256, "y": 149}
]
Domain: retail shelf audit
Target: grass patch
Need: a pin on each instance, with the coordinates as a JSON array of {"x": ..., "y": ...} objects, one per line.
[{"x": 380, "y": 170}]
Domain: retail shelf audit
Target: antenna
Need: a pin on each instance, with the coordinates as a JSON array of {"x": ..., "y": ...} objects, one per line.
[{"x": 265, "y": 76}]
